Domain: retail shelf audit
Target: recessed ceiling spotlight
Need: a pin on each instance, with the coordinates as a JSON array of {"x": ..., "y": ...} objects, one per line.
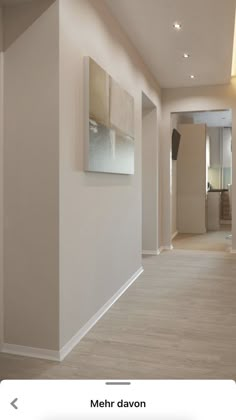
[
  {"x": 192, "y": 76},
  {"x": 186, "y": 55},
  {"x": 177, "y": 26}
]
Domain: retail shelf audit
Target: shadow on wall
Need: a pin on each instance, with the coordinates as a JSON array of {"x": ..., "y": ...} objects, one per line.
[{"x": 18, "y": 17}]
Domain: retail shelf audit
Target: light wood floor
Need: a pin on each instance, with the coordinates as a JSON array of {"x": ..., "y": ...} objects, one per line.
[
  {"x": 178, "y": 320},
  {"x": 210, "y": 241}
]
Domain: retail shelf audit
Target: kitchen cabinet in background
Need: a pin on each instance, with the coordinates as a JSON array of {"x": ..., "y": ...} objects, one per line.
[{"x": 191, "y": 179}]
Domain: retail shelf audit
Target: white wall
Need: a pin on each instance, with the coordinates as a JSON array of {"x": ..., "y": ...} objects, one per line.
[
  {"x": 174, "y": 178},
  {"x": 215, "y": 134},
  {"x": 1, "y": 182},
  {"x": 175, "y": 118},
  {"x": 226, "y": 148},
  {"x": 192, "y": 99},
  {"x": 150, "y": 179},
  {"x": 100, "y": 214},
  {"x": 1, "y": 29},
  {"x": 53, "y": 209},
  {"x": 31, "y": 185}
]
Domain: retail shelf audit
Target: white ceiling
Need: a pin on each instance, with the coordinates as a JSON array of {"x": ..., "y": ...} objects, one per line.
[
  {"x": 211, "y": 119},
  {"x": 207, "y": 35}
]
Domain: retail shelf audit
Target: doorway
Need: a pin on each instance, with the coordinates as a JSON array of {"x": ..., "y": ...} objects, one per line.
[
  {"x": 202, "y": 181},
  {"x": 150, "y": 179}
]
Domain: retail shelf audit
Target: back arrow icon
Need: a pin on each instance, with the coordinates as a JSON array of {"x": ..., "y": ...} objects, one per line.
[{"x": 13, "y": 403}]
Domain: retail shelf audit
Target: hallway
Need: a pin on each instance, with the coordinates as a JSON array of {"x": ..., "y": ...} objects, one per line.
[{"x": 178, "y": 320}]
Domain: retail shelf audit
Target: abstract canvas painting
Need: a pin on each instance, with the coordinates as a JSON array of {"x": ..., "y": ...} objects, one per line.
[{"x": 109, "y": 123}]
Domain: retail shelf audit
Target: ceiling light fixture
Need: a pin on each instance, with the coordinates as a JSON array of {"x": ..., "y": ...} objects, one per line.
[
  {"x": 192, "y": 76},
  {"x": 177, "y": 26},
  {"x": 186, "y": 55}
]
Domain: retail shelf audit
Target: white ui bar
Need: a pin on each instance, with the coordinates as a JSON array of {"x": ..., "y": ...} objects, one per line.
[{"x": 83, "y": 399}]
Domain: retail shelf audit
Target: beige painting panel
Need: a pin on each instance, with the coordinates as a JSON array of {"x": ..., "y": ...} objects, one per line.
[
  {"x": 121, "y": 109},
  {"x": 98, "y": 93}
]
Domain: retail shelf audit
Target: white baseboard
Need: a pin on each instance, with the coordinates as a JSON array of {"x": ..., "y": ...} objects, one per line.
[
  {"x": 166, "y": 248},
  {"x": 158, "y": 251},
  {"x": 174, "y": 235},
  {"x": 68, "y": 347},
  {"x": 30, "y": 352},
  {"x": 161, "y": 249},
  {"x": 151, "y": 252}
]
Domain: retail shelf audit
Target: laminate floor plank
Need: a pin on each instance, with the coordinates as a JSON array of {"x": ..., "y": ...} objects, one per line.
[{"x": 178, "y": 320}]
